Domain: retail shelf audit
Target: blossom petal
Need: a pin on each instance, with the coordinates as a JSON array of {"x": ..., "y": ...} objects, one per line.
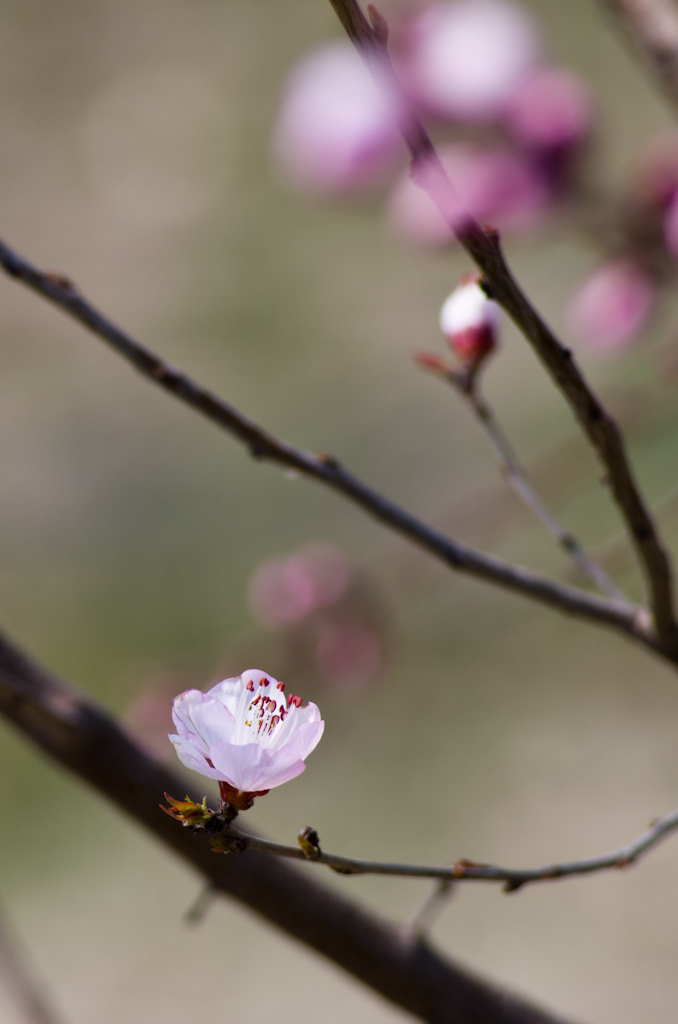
[
  {"x": 188, "y": 755},
  {"x": 304, "y": 740},
  {"x": 227, "y": 692},
  {"x": 249, "y": 767},
  {"x": 234, "y": 694},
  {"x": 294, "y": 719},
  {"x": 202, "y": 719}
]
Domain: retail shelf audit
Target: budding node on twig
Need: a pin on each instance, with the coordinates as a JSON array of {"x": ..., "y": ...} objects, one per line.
[{"x": 309, "y": 842}]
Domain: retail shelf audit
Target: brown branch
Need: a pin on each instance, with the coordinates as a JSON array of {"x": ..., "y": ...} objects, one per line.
[
  {"x": 625, "y": 617},
  {"x": 469, "y": 871},
  {"x": 484, "y": 247},
  {"x": 81, "y": 737},
  {"x": 652, "y": 29}
]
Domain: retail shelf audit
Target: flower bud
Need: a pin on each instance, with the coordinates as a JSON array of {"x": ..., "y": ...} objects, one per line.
[{"x": 470, "y": 321}]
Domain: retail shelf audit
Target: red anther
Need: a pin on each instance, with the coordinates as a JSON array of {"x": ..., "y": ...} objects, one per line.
[
  {"x": 255, "y": 701},
  {"x": 295, "y": 700},
  {"x": 271, "y": 706},
  {"x": 281, "y": 686},
  {"x": 263, "y": 682},
  {"x": 274, "y": 721},
  {"x": 250, "y": 686},
  {"x": 283, "y": 712}
]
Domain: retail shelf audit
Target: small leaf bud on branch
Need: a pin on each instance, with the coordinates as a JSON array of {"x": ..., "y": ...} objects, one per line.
[{"x": 309, "y": 841}]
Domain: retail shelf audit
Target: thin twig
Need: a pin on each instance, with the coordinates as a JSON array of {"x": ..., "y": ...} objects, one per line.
[
  {"x": 430, "y": 910},
  {"x": 652, "y": 29},
  {"x": 484, "y": 248},
  {"x": 517, "y": 477},
  {"x": 622, "y": 615},
  {"x": 201, "y": 904},
  {"x": 16, "y": 975},
  {"x": 469, "y": 871},
  {"x": 81, "y": 737},
  {"x": 615, "y": 551}
]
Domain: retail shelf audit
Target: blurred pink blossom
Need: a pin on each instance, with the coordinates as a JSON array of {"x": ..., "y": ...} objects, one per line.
[
  {"x": 284, "y": 591},
  {"x": 551, "y": 110},
  {"x": 348, "y": 654},
  {"x": 495, "y": 185},
  {"x": 656, "y": 176},
  {"x": 612, "y": 306},
  {"x": 337, "y": 131},
  {"x": 462, "y": 59},
  {"x": 244, "y": 733}
]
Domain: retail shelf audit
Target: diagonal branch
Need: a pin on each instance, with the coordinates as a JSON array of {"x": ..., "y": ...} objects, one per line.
[
  {"x": 81, "y": 737},
  {"x": 622, "y": 615},
  {"x": 484, "y": 248},
  {"x": 652, "y": 29}
]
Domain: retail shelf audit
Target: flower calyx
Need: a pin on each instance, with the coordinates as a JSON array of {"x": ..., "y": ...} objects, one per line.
[{"x": 237, "y": 800}]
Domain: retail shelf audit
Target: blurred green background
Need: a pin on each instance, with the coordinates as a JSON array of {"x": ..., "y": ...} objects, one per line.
[{"x": 136, "y": 160}]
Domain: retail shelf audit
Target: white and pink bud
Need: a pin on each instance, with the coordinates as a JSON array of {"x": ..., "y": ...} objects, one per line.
[
  {"x": 337, "y": 130},
  {"x": 460, "y": 60},
  {"x": 610, "y": 309},
  {"x": 470, "y": 322},
  {"x": 246, "y": 733}
]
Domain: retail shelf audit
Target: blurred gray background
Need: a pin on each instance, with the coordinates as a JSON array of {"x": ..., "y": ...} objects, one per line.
[{"x": 136, "y": 159}]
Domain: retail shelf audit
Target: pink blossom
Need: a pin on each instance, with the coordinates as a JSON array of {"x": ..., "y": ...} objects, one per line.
[
  {"x": 462, "y": 59},
  {"x": 612, "y": 306},
  {"x": 337, "y": 130},
  {"x": 496, "y": 186},
  {"x": 470, "y": 321},
  {"x": 551, "y": 110},
  {"x": 285, "y": 591},
  {"x": 244, "y": 732}
]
